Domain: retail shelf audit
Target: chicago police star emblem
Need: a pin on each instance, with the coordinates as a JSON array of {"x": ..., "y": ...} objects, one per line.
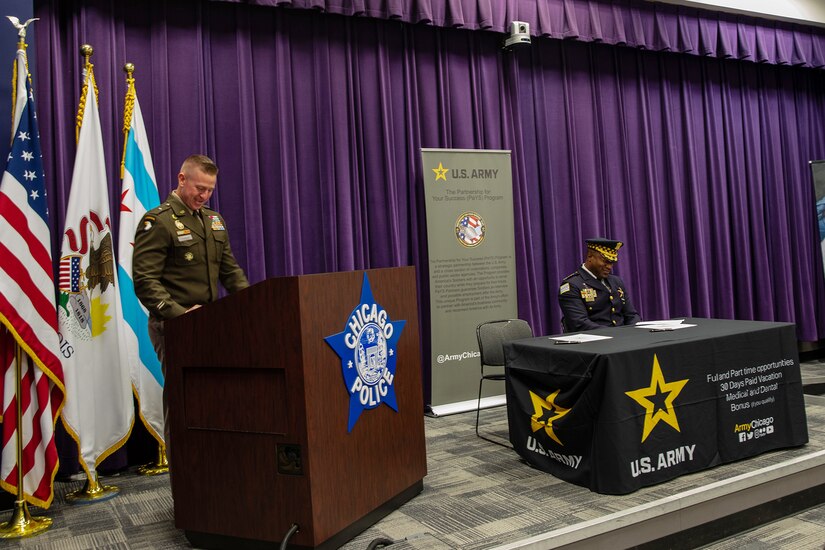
[{"x": 367, "y": 351}]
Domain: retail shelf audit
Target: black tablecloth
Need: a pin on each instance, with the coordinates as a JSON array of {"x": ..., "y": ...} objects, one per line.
[{"x": 645, "y": 407}]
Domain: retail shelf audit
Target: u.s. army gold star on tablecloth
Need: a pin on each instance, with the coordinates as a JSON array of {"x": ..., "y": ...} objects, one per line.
[
  {"x": 440, "y": 172},
  {"x": 658, "y": 387},
  {"x": 540, "y": 405}
]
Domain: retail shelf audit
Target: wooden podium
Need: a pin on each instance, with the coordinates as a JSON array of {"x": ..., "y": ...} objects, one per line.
[{"x": 259, "y": 411}]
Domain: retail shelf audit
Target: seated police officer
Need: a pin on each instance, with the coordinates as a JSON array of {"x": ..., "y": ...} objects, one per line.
[{"x": 593, "y": 297}]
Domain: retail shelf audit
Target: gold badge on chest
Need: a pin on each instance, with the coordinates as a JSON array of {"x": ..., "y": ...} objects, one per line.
[
  {"x": 179, "y": 224},
  {"x": 589, "y": 294}
]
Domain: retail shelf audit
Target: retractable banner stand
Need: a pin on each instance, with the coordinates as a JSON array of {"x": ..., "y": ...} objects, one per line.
[
  {"x": 469, "y": 202},
  {"x": 818, "y": 173}
]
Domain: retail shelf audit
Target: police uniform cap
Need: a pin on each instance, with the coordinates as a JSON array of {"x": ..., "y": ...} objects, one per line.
[{"x": 606, "y": 247}]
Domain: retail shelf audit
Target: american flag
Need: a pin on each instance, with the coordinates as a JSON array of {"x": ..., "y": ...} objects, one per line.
[
  {"x": 70, "y": 274},
  {"x": 27, "y": 309},
  {"x": 470, "y": 221}
]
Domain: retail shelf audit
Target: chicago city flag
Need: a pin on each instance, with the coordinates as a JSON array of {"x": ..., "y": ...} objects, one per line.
[
  {"x": 139, "y": 194},
  {"x": 27, "y": 309},
  {"x": 98, "y": 412}
]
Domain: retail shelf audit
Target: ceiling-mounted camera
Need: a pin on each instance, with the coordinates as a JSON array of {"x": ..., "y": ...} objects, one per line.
[{"x": 519, "y": 35}]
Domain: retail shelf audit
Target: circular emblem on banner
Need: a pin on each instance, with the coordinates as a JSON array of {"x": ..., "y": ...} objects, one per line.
[
  {"x": 371, "y": 354},
  {"x": 469, "y": 229}
]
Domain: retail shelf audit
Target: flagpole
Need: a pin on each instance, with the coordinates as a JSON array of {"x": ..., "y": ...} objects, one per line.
[
  {"x": 93, "y": 491},
  {"x": 161, "y": 464},
  {"x": 21, "y": 524}
]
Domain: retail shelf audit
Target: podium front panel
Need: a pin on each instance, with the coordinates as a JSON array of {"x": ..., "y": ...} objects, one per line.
[{"x": 259, "y": 413}]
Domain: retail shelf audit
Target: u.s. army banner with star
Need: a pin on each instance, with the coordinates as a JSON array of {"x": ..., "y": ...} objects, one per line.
[
  {"x": 471, "y": 244},
  {"x": 644, "y": 407}
]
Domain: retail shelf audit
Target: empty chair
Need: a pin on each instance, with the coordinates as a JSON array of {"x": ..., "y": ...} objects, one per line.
[{"x": 491, "y": 338}]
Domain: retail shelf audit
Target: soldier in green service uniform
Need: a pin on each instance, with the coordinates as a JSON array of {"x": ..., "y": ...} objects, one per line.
[{"x": 181, "y": 252}]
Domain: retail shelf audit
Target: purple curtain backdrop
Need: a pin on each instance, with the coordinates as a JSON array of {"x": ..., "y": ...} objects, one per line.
[{"x": 699, "y": 164}]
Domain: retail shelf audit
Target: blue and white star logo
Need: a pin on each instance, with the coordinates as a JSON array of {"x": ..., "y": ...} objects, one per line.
[{"x": 367, "y": 351}]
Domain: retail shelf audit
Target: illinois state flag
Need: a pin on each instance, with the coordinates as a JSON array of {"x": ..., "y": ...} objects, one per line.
[
  {"x": 27, "y": 309},
  {"x": 98, "y": 412},
  {"x": 138, "y": 195}
]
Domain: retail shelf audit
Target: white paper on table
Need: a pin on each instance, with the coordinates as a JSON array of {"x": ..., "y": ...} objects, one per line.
[
  {"x": 580, "y": 338},
  {"x": 662, "y": 322},
  {"x": 662, "y": 326}
]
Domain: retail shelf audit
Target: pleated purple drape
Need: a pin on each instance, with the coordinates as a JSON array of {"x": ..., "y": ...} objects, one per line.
[
  {"x": 636, "y": 23},
  {"x": 700, "y": 165}
]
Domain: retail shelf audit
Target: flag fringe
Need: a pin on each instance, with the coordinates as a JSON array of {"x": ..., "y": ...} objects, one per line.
[{"x": 145, "y": 422}]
